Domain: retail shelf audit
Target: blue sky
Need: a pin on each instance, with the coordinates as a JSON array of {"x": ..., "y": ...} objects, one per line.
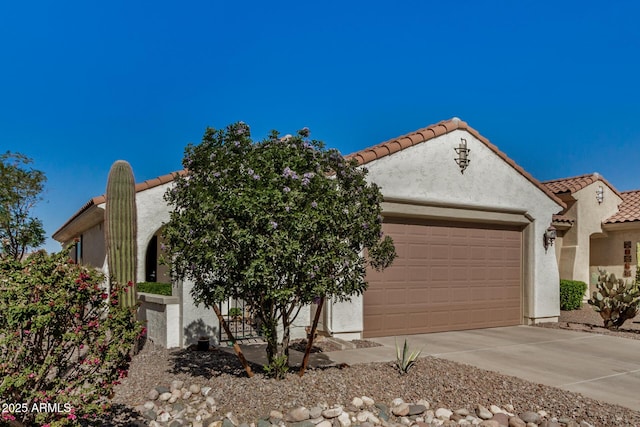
[{"x": 553, "y": 84}]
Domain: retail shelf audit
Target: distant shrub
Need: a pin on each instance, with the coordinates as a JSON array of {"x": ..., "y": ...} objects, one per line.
[
  {"x": 235, "y": 312},
  {"x": 155, "y": 288},
  {"x": 571, "y": 294}
]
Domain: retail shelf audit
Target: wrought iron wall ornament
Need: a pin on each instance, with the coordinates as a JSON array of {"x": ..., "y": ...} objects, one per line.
[
  {"x": 600, "y": 194},
  {"x": 463, "y": 155},
  {"x": 549, "y": 237}
]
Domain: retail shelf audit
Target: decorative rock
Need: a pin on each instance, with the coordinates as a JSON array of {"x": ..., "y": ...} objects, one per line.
[
  {"x": 276, "y": 414},
  {"x": 324, "y": 423},
  {"x": 443, "y": 413},
  {"x": 383, "y": 411},
  {"x": 424, "y": 403},
  {"x": 205, "y": 391},
  {"x": 162, "y": 389},
  {"x": 550, "y": 423},
  {"x": 516, "y": 422},
  {"x": 264, "y": 423},
  {"x": 489, "y": 423},
  {"x": 153, "y": 394},
  {"x": 149, "y": 405},
  {"x": 172, "y": 399},
  {"x": 357, "y": 402},
  {"x": 177, "y": 393},
  {"x": 401, "y": 410},
  {"x": 397, "y": 401},
  {"x": 150, "y": 415},
  {"x": 298, "y": 414},
  {"x": 332, "y": 412},
  {"x": 501, "y": 418},
  {"x": 462, "y": 411},
  {"x": 530, "y": 417},
  {"x": 163, "y": 417},
  {"x": 367, "y": 401},
  {"x": 542, "y": 413},
  {"x": 509, "y": 407},
  {"x": 164, "y": 396},
  {"x": 315, "y": 412},
  {"x": 344, "y": 419},
  {"x": 194, "y": 388},
  {"x": 416, "y": 409},
  {"x": 210, "y": 401},
  {"x": 231, "y": 417},
  {"x": 186, "y": 394},
  {"x": 405, "y": 421},
  {"x": 483, "y": 412},
  {"x": 496, "y": 409},
  {"x": 176, "y": 385}
]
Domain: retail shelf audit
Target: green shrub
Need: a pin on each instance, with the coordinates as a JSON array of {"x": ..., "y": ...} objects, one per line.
[
  {"x": 235, "y": 312},
  {"x": 571, "y": 294},
  {"x": 155, "y": 288},
  {"x": 63, "y": 340}
]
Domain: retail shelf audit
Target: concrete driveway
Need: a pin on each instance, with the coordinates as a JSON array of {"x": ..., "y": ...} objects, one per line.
[{"x": 602, "y": 367}]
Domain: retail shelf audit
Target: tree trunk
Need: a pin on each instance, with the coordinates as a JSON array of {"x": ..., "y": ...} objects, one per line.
[
  {"x": 312, "y": 334},
  {"x": 271, "y": 336},
  {"x": 236, "y": 347}
]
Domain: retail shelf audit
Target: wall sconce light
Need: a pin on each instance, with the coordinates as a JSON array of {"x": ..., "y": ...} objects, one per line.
[
  {"x": 600, "y": 194},
  {"x": 463, "y": 155},
  {"x": 549, "y": 237}
]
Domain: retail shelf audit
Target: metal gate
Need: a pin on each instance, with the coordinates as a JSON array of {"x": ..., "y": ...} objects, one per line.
[{"x": 241, "y": 321}]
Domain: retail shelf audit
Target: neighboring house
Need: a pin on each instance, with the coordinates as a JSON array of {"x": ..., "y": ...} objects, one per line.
[
  {"x": 468, "y": 225},
  {"x": 599, "y": 229}
]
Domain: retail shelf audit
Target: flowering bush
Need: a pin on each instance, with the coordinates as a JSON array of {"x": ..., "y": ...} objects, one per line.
[
  {"x": 277, "y": 223},
  {"x": 64, "y": 342}
]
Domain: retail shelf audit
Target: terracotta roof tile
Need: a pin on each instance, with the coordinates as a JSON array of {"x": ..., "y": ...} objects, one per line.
[
  {"x": 155, "y": 182},
  {"x": 576, "y": 183},
  {"x": 421, "y": 135},
  {"x": 562, "y": 218},
  {"x": 629, "y": 209}
]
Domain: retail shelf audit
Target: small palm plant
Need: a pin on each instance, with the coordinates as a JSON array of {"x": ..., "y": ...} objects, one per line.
[{"x": 405, "y": 359}]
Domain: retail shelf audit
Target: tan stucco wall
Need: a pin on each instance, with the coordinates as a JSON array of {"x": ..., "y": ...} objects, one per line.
[
  {"x": 588, "y": 215},
  {"x": 607, "y": 253}
]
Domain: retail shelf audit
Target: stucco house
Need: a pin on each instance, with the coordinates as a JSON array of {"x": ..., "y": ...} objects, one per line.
[
  {"x": 470, "y": 226},
  {"x": 599, "y": 228}
]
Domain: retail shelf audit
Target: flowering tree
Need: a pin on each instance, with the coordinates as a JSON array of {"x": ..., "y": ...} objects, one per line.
[
  {"x": 64, "y": 342},
  {"x": 278, "y": 223}
]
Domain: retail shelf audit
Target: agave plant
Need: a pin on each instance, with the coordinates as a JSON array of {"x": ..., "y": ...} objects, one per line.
[
  {"x": 405, "y": 359},
  {"x": 615, "y": 300}
]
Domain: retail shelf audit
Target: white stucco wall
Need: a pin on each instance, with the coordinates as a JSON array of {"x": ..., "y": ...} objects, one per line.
[
  {"x": 427, "y": 174},
  {"x": 153, "y": 212}
]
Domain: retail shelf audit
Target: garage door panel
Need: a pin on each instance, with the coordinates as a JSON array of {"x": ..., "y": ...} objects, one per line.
[{"x": 445, "y": 278}]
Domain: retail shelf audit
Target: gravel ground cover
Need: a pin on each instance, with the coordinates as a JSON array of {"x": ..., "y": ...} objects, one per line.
[
  {"x": 586, "y": 319},
  {"x": 442, "y": 383}
]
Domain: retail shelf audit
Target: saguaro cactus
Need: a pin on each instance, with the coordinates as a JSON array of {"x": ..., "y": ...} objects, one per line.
[{"x": 121, "y": 231}]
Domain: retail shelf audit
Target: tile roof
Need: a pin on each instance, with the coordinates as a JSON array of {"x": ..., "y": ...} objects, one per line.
[
  {"x": 563, "y": 219},
  {"x": 629, "y": 209},
  {"x": 422, "y": 135},
  {"x": 364, "y": 156},
  {"x": 575, "y": 183},
  {"x": 150, "y": 183}
]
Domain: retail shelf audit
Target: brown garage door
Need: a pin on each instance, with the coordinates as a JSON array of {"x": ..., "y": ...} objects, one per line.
[{"x": 446, "y": 277}]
